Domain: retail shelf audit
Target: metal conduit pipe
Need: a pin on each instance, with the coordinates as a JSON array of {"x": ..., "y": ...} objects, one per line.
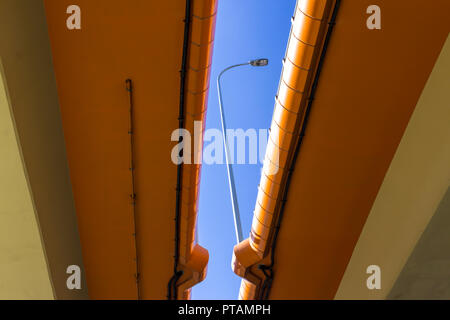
[
  {"x": 172, "y": 292},
  {"x": 191, "y": 259},
  {"x": 304, "y": 55},
  {"x": 267, "y": 269}
]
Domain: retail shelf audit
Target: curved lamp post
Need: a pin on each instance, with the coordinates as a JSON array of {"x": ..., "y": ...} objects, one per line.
[{"x": 231, "y": 184}]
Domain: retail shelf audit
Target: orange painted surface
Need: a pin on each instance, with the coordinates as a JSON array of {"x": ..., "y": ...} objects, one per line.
[
  {"x": 369, "y": 86},
  {"x": 140, "y": 40},
  {"x": 305, "y": 43}
]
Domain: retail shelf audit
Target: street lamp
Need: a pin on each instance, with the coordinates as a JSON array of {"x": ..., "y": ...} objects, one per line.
[{"x": 231, "y": 184}]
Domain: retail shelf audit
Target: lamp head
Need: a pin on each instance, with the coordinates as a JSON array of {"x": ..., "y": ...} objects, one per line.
[{"x": 259, "y": 62}]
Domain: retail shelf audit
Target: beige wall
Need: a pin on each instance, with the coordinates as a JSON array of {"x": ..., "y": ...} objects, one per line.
[
  {"x": 426, "y": 275},
  {"x": 23, "y": 267},
  {"x": 414, "y": 185},
  {"x": 28, "y": 70}
]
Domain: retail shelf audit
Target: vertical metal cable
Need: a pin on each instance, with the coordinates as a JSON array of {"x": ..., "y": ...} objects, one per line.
[{"x": 129, "y": 87}]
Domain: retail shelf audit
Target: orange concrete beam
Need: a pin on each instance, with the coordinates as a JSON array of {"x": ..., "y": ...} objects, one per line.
[
  {"x": 141, "y": 41},
  {"x": 368, "y": 88},
  {"x": 309, "y": 27}
]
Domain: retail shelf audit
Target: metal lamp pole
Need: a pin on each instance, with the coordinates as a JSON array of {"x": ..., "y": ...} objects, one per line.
[{"x": 231, "y": 184}]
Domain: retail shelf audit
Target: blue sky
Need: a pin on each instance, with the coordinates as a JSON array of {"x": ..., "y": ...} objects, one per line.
[{"x": 245, "y": 29}]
